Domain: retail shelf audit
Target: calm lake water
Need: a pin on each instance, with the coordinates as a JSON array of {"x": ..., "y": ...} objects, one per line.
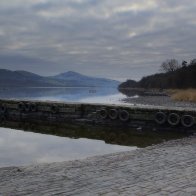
[
  {"x": 23, "y": 148},
  {"x": 24, "y": 144},
  {"x": 85, "y": 94}
]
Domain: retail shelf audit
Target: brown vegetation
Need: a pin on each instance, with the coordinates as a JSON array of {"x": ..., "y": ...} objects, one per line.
[{"x": 183, "y": 95}]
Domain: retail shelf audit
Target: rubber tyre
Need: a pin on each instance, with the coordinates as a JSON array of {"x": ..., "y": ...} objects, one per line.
[
  {"x": 160, "y": 118},
  {"x": 27, "y": 107},
  {"x": 1, "y": 117},
  {"x": 187, "y": 121},
  {"x": 54, "y": 109},
  {"x": 124, "y": 116},
  {"x": 173, "y": 119},
  {"x": 103, "y": 114},
  {"x": 113, "y": 114},
  {"x": 33, "y": 107},
  {"x": 3, "y": 108},
  {"x": 21, "y": 107}
]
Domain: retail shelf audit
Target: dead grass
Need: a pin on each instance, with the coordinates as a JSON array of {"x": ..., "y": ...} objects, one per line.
[{"x": 183, "y": 95}]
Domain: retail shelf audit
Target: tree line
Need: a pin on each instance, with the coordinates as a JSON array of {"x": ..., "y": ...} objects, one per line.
[{"x": 174, "y": 75}]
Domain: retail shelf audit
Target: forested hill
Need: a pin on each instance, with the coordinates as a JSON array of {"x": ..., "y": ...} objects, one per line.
[
  {"x": 184, "y": 77},
  {"x": 68, "y": 79}
]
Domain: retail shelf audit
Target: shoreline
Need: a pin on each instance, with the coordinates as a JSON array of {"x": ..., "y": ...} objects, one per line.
[
  {"x": 155, "y": 97},
  {"x": 155, "y": 100}
]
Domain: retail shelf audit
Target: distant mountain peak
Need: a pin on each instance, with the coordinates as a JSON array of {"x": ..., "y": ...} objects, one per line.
[
  {"x": 69, "y": 73},
  {"x": 69, "y": 79}
]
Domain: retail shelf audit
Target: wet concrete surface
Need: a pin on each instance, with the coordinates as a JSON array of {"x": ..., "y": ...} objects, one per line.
[{"x": 164, "y": 169}]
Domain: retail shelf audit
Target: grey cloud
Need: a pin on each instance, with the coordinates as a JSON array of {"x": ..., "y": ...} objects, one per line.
[{"x": 115, "y": 39}]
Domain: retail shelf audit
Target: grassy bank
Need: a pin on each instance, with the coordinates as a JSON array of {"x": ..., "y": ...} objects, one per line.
[{"x": 183, "y": 95}]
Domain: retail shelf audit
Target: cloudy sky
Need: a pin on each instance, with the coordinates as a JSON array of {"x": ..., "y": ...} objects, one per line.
[{"x": 117, "y": 39}]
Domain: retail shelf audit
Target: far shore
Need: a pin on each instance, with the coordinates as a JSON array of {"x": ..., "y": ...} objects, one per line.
[
  {"x": 181, "y": 95},
  {"x": 168, "y": 98}
]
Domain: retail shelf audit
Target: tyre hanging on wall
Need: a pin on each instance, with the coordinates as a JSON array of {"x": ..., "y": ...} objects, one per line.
[
  {"x": 33, "y": 107},
  {"x": 21, "y": 107},
  {"x": 124, "y": 115},
  {"x": 3, "y": 108},
  {"x": 2, "y": 117},
  {"x": 54, "y": 109},
  {"x": 187, "y": 121},
  {"x": 103, "y": 113},
  {"x": 160, "y": 118},
  {"x": 27, "y": 107},
  {"x": 173, "y": 119},
  {"x": 113, "y": 114}
]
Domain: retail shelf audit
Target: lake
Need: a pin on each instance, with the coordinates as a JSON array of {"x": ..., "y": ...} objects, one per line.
[
  {"x": 72, "y": 94},
  {"x": 25, "y": 144},
  {"x": 22, "y": 148}
]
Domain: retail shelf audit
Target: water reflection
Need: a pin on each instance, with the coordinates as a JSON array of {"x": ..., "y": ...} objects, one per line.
[
  {"x": 22, "y": 148},
  {"x": 69, "y": 142},
  {"x": 86, "y": 94}
]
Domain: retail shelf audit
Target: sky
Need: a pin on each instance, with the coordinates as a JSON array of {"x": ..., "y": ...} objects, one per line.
[{"x": 117, "y": 39}]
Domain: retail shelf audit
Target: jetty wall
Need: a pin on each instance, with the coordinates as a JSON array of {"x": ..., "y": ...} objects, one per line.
[{"x": 99, "y": 114}]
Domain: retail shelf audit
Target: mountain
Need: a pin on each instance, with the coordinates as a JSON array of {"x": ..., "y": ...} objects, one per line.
[
  {"x": 22, "y": 78},
  {"x": 68, "y": 79},
  {"x": 71, "y": 78}
]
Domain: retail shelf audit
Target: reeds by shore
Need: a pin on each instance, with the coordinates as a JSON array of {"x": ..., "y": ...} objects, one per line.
[{"x": 183, "y": 95}]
